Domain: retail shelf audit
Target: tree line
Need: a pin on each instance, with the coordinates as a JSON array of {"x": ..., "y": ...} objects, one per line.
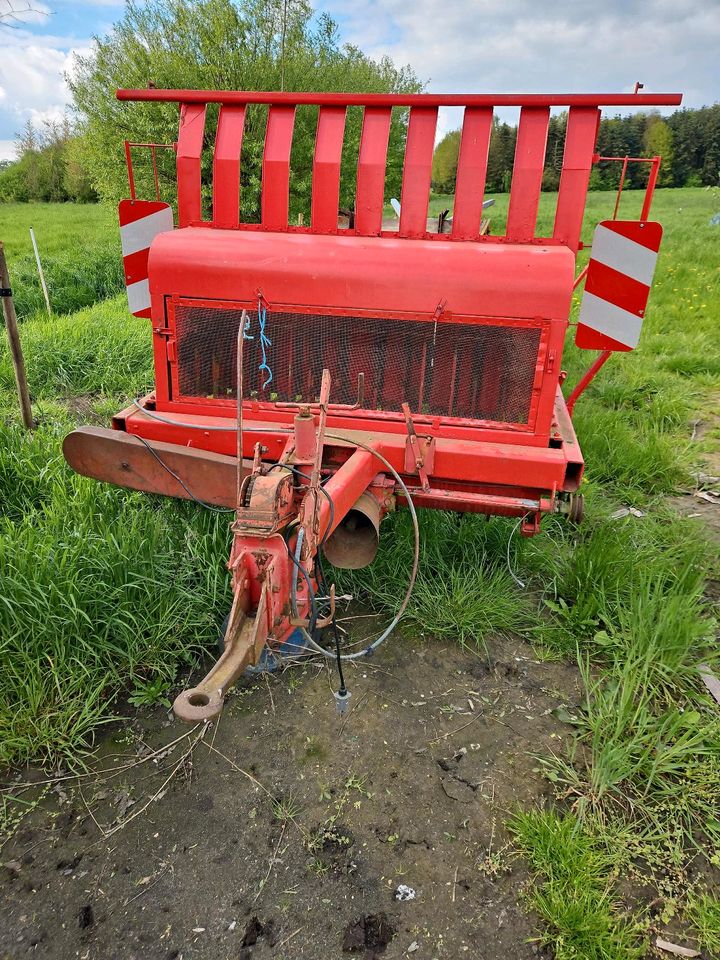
[{"x": 688, "y": 142}]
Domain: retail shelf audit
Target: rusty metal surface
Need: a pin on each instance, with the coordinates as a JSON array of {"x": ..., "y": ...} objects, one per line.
[
  {"x": 244, "y": 641},
  {"x": 127, "y": 461},
  {"x": 266, "y": 503},
  {"x": 354, "y": 543}
]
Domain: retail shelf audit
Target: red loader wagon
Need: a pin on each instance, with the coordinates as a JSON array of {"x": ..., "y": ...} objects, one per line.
[{"x": 313, "y": 377}]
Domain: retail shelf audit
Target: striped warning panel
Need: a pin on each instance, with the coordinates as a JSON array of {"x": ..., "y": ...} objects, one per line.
[
  {"x": 140, "y": 222},
  {"x": 617, "y": 286}
]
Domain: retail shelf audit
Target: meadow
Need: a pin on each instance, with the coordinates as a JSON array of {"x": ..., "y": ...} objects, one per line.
[
  {"x": 79, "y": 248},
  {"x": 109, "y": 595}
]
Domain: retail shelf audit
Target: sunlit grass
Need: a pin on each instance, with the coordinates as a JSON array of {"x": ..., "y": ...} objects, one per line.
[{"x": 79, "y": 246}]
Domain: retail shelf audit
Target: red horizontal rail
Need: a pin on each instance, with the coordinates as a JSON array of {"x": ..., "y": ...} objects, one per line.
[
  {"x": 598, "y": 158},
  {"x": 410, "y": 99}
]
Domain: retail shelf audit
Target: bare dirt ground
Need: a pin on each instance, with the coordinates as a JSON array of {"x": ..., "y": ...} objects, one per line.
[{"x": 285, "y": 830}]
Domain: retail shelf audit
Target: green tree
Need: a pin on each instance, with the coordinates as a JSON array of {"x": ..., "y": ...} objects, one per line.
[
  {"x": 220, "y": 44},
  {"x": 658, "y": 142},
  {"x": 445, "y": 161},
  {"x": 501, "y": 156}
]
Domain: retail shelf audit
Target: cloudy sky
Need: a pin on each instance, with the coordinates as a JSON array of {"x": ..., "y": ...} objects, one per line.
[{"x": 456, "y": 46}]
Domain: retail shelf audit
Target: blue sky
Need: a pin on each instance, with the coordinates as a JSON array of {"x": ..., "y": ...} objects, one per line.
[{"x": 454, "y": 45}]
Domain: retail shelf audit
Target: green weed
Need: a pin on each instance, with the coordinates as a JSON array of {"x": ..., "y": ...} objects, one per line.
[
  {"x": 573, "y": 894},
  {"x": 703, "y": 911}
]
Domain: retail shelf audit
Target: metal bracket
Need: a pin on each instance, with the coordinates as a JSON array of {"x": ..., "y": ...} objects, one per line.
[
  {"x": 5, "y": 292},
  {"x": 418, "y": 455},
  {"x": 530, "y": 524}
]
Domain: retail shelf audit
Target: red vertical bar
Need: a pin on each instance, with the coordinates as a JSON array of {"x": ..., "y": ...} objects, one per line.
[
  {"x": 580, "y": 138},
  {"x": 471, "y": 172},
  {"x": 623, "y": 174},
  {"x": 371, "y": 170},
  {"x": 326, "y": 169},
  {"x": 189, "y": 151},
  {"x": 226, "y": 166},
  {"x": 417, "y": 171},
  {"x": 128, "y": 163},
  {"x": 276, "y": 167},
  {"x": 527, "y": 173},
  {"x": 650, "y": 189}
]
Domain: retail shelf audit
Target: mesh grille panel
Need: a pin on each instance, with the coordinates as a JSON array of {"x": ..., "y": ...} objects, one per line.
[{"x": 475, "y": 371}]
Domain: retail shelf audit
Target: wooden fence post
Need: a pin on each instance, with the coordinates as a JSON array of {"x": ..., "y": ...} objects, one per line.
[{"x": 14, "y": 338}]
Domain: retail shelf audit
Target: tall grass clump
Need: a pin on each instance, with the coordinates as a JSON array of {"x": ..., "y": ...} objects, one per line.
[
  {"x": 582, "y": 920},
  {"x": 104, "y": 591},
  {"x": 101, "y": 350},
  {"x": 610, "y": 573},
  {"x": 75, "y": 279},
  {"x": 464, "y": 590},
  {"x": 628, "y": 600}
]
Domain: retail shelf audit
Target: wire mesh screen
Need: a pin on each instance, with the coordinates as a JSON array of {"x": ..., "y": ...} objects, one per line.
[{"x": 475, "y": 371}]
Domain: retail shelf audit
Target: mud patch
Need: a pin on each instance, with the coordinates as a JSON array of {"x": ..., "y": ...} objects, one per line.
[
  {"x": 372, "y": 932},
  {"x": 286, "y": 825}
]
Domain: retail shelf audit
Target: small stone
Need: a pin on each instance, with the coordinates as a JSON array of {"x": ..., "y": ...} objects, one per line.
[{"x": 404, "y": 892}]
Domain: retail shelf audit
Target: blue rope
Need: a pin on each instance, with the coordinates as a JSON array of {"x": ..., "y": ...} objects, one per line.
[{"x": 264, "y": 343}]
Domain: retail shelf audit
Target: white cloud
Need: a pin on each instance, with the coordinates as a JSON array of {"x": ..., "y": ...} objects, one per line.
[
  {"x": 7, "y": 149},
  {"x": 530, "y": 46},
  {"x": 32, "y": 77}
]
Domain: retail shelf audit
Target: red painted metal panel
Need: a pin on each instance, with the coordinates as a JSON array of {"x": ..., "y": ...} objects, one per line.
[
  {"x": 471, "y": 172},
  {"x": 371, "y": 170},
  {"x": 410, "y": 99},
  {"x": 527, "y": 173},
  {"x": 326, "y": 169},
  {"x": 456, "y": 462},
  {"x": 417, "y": 171},
  {"x": 582, "y": 127},
  {"x": 226, "y": 166},
  {"x": 276, "y": 167},
  {"x": 189, "y": 151},
  {"x": 335, "y": 271}
]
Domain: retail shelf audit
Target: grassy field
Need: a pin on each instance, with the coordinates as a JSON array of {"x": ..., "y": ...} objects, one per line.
[
  {"x": 107, "y": 592},
  {"x": 79, "y": 246}
]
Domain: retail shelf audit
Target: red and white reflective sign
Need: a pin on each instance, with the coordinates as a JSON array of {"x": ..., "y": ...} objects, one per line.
[
  {"x": 140, "y": 222},
  {"x": 617, "y": 286}
]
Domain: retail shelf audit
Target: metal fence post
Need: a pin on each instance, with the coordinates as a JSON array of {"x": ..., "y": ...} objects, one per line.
[
  {"x": 15, "y": 346},
  {"x": 40, "y": 271}
]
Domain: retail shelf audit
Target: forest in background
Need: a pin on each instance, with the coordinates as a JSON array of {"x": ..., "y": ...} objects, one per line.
[{"x": 687, "y": 140}]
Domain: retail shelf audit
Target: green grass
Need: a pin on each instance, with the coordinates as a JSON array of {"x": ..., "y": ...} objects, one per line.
[
  {"x": 107, "y": 592},
  {"x": 572, "y": 896},
  {"x": 59, "y": 227},
  {"x": 703, "y": 912},
  {"x": 100, "y": 350},
  {"x": 79, "y": 246}
]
